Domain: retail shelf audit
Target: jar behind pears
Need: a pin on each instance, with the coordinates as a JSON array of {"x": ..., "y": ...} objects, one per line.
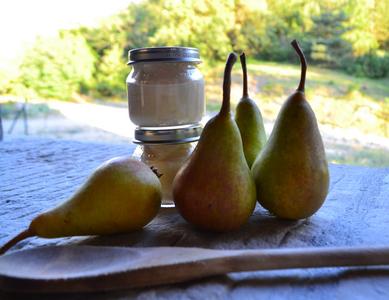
[
  {"x": 166, "y": 102},
  {"x": 167, "y": 159}
]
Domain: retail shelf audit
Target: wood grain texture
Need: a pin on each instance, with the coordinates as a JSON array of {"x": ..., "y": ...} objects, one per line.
[
  {"x": 35, "y": 174},
  {"x": 72, "y": 269}
]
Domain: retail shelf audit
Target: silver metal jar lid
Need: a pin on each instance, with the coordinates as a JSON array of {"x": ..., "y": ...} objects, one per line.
[
  {"x": 173, "y": 54},
  {"x": 168, "y": 135}
]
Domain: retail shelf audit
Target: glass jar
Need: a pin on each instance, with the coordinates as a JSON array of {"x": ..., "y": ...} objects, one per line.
[
  {"x": 165, "y": 94},
  {"x": 166, "y": 102},
  {"x": 168, "y": 159}
]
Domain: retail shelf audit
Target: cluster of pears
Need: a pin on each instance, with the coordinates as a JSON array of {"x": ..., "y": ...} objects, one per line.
[
  {"x": 121, "y": 195},
  {"x": 233, "y": 165}
]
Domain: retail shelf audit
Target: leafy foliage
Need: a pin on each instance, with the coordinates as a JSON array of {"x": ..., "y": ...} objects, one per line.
[
  {"x": 204, "y": 24},
  {"x": 327, "y": 44},
  {"x": 371, "y": 65},
  {"x": 110, "y": 80},
  {"x": 57, "y": 67},
  {"x": 348, "y": 34}
]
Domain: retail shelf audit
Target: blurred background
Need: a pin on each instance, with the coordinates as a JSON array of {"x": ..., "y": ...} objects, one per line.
[{"x": 63, "y": 64}]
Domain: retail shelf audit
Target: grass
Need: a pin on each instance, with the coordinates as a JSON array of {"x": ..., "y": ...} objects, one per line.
[{"x": 338, "y": 99}]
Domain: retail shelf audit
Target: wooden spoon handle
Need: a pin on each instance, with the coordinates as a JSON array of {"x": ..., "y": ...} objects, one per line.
[
  {"x": 89, "y": 268},
  {"x": 227, "y": 261},
  {"x": 271, "y": 259},
  {"x": 217, "y": 262}
]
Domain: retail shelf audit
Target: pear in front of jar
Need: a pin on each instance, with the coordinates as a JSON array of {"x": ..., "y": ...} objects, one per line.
[
  {"x": 214, "y": 189},
  {"x": 122, "y": 195}
]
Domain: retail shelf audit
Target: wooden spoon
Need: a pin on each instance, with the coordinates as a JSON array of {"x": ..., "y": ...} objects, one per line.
[{"x": 96, "y": 268}]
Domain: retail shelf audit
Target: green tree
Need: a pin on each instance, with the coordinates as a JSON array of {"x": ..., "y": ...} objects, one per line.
[
  {"x": 381, "y": 23},
  {"x": 57, "y": 67},
  {"x": 111, "y": 41},
  {"x": 270, "y": 30},
  {"x": 112, "y": 72},
  {"x": 360, "y": 26},
  {"x": 352, "y": 34},
  {"x": 203, "y": 24},
  {"x": 327, "y": 43},
  {"x": 140, "y": 22},
  {"x": 111, "y": 31}
]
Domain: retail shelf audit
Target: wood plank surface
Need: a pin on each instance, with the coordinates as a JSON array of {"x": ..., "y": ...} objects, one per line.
[{"x": 36, "y": 174}]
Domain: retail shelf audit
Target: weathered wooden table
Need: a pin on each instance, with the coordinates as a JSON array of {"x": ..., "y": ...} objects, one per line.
[{"x": 36, "y": 174}]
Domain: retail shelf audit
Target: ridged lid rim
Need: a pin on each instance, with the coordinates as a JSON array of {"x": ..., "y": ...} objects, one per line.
[
  {"x": 168, "y": 135},
  {"x": 168, "y": 54}
]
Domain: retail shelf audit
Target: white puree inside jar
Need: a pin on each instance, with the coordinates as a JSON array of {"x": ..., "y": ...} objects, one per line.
[{"x": 165, "y": 94}]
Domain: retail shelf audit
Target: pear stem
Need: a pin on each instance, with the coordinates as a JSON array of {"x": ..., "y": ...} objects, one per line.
[
  {"x": 244, "y": 69},
  {"x": 21, "y": 236},
  {"x": 227, "y": 84},
  {"x": 303, "y": 62}
]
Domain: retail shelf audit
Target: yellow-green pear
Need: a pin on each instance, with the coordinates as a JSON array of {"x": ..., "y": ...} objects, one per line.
[
  {"x": 214, "y": 189},
  {"x": 248, "y": 117},
  {"x": 291, "y": 173},
  {"x": 122, "y": 195}
]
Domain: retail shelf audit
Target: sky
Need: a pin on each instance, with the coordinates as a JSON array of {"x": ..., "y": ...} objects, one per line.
[{"x": 22, "y": 20}]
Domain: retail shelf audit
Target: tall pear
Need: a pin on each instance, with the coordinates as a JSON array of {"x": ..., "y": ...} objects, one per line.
[
  {"x": 291, "y": 173},
  {"x": 122, "y": 195},
  {"x": 248, "y": 117},
  {"x": 214, "y": 189}
]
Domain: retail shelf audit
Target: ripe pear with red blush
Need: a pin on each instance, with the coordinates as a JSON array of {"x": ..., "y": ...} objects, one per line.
[{"x": 214, "y": 189}]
